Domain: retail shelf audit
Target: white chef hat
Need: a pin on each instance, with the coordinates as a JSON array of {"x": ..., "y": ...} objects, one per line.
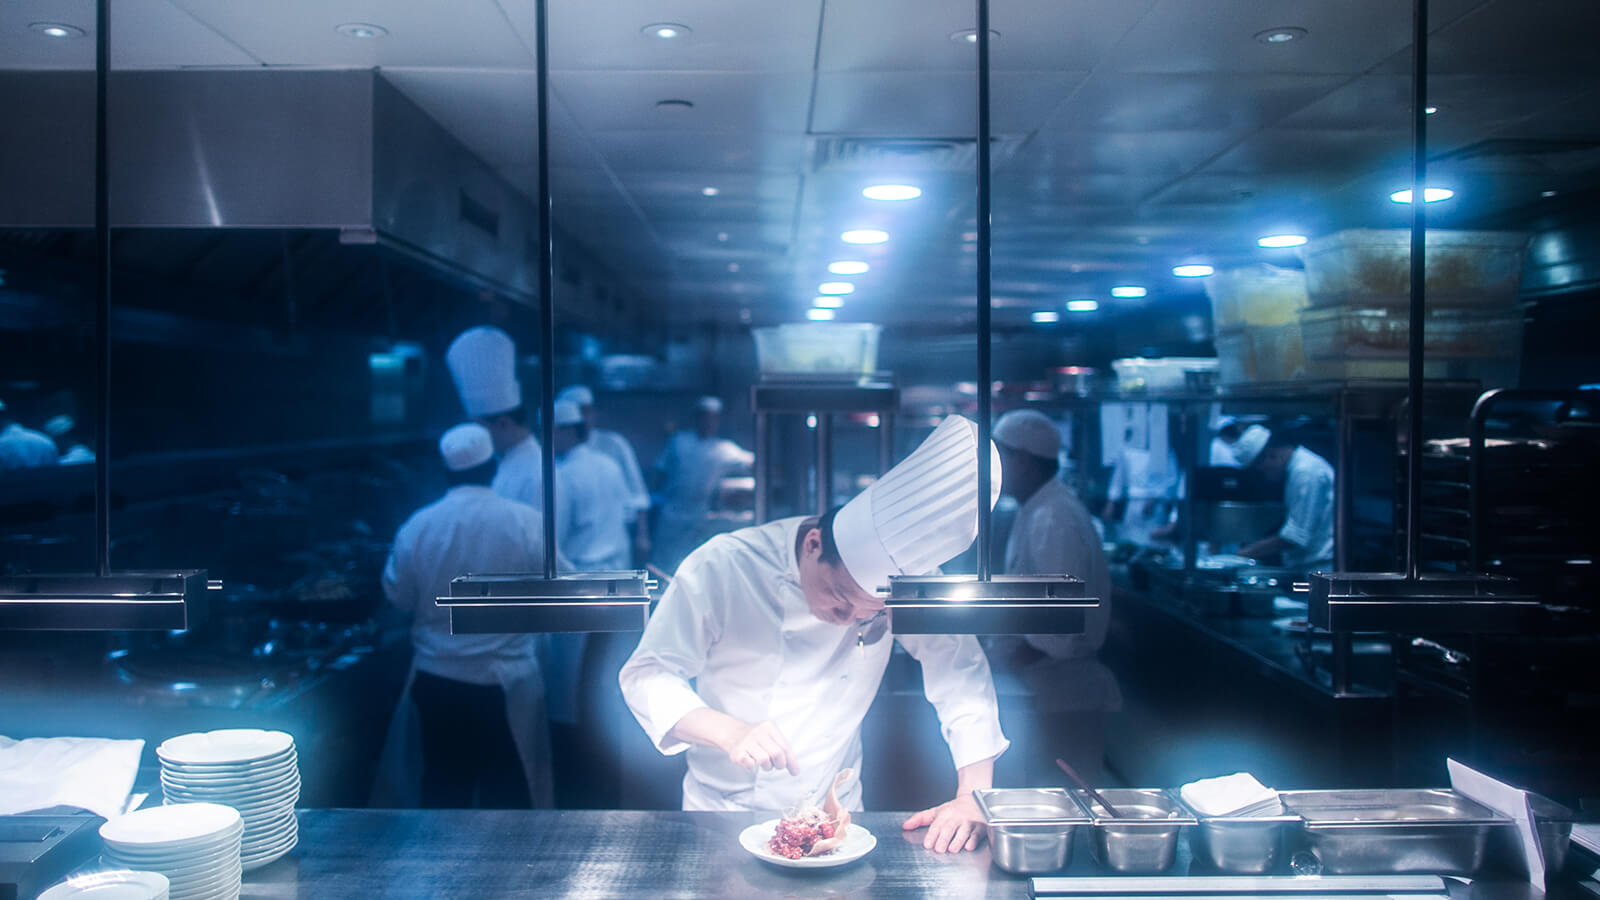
[
  {"x": 567, "y": 413},
  {"x": 578, "y": 394},
  {"x": 1223, "y": 422},
  {"x": 483, "y": 362},
  {"x": 1250, "y": 444},
  {"x": 59, "y": 425},
  {"x": 709, "y": 404},
  {"x": 919, "y": 515},
  {"x": 1030, "y": 431},
  {"x": 466, "y": 447}
]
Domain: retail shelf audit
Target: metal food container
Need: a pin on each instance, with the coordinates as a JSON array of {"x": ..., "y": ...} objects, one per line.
[
  {"x": 1143, "y": 840},
  {"x": 1241, "y": 845},
  {"x": 1393, "y": 832},
  {"x": 1030, "y": 829}
]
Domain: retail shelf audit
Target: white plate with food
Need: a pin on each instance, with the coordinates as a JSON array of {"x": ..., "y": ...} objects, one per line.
[
  {"x": 811, "y": 837},
  {"x": 757, "y": 839}
]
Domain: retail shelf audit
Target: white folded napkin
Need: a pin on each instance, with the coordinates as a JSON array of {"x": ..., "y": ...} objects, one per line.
[
  {"x": 1228, "y": 795},
  {"x": 90, "y": 773}
]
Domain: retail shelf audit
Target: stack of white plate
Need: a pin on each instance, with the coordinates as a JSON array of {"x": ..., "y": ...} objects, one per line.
[
  {"x": 255, "y": 772},
  {"x": 195, "y": 845},
  {"x": 118, "y": 885}
]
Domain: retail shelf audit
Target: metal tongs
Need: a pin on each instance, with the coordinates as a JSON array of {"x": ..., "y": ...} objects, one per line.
[{"x": 1093, "y": 794}]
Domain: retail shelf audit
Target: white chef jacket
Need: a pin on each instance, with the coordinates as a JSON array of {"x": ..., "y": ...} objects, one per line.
[
  {"x": 1222, "y": 454},
  {"x": 24, "y": 448},
  {"x": 620, "y": 451},
  {"x": 1308, "y": 494},
  {"x": 1053, "y": 534},
  {"x": 694, "y": 467},
  {"x": 736, "y": 622},
  {"x": 591, "y": 511},
  {"x": 76, "y": 455},
  {"x": 521, "y": 473}
]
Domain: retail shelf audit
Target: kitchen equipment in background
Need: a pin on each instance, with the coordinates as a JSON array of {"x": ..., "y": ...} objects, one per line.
[
  {"x": 1424, "y": 887},
  {"x": 1030, "y": 830},
  {"x": 38, "y": 849},
  {"x": 818, "y": 348},
  {"x": 1076, "y": 381},
  {"x": 1372, "y": 267},
  {"x": 1165, "y": 374},
  {"x": 1236, "y": 522},
  {"x": 255, "y": 772},
  {"x": 1362, "y": 832},
  {"x": 1371, "y": 342},
  {"x": 196, "y": 845},
  {"x": 1256, "y": 313}
]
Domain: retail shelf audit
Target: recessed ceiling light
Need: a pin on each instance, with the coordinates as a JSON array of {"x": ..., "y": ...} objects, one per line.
[
  {"x": 819, "y": 315},
  {"x": 1280, "y": 35},
  {"x": 1429, "y": 195},
  {"x": 1193, "y": 271},
  {"x": 970, "y": 35},
  {"x": 675, "y": 105},
  {"x": 722, "y": 235},
  {"x": 892, "y": 192},
  {"x": 711, "y": 192},
  {"x": 57, "y": 30},
  {"x": 969, "y": 236},
  {"x": 1430, "y": 110},
  {"x": 1128, "y": 292},
  {"x": 1046, "y": 317},
  {"x": 848, "y": 267},
  {"x": 1548, "y": 194},
  {"x": 1280, "y": 241},
  {"x": 733, "y": 267},
  {"x": 836, "y": 287},
  {"x": 1083, "y": 305},
  {"x": 666, "y": 31},
  {"x": 827, "y": 302},
  {"x": 864, "y": 236},
  {"x": 361, "y": 30}
]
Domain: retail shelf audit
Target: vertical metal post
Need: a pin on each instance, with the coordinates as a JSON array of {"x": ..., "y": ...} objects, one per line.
[
  {"x": 985, "y": 381},
  {"x": 1419, "y": 231},
  {"x": 102, "y": 319},
  {"x": 885, "y": 442},
  {"x": 763, "y": 467},
  {"x": 547, "y": 335},
  {"x": 824, "y": 463},
  {"x": 1189, "y": 440},
  {"x": 1343, "y": 478}
]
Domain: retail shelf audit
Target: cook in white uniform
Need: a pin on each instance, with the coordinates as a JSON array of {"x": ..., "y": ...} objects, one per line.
[
  {"x": 23, "y": 448},
  {"x": 483, "y": 363},
  {"x": 1149, "y": 484},
  {"x": 778, "y": 629},
  {"x": 691, "y": 469},
  {"x": 1228, "y": 431},
  {"x": 478, "y": 700},
  {"x": 621, "y": 452},
  {"x": 1306, "y": 539}
]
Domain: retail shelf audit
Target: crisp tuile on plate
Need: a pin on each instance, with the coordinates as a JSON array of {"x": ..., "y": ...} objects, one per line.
[{"x": 811, "y": 831}]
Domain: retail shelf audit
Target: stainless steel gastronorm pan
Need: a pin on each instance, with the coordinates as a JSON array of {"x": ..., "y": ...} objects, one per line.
[
  {"x": 1381, "y": 832},
  {"x": 1030, "y": 829}
]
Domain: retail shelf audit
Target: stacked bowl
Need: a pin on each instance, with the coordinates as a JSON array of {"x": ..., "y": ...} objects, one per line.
[
  {"x": 255, "y": 772},
  {"x": 195, "y": 845}
]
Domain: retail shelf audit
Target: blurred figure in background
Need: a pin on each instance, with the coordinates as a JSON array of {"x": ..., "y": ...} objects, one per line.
[
  {"x": 483, "y": 364},
  {"x": 1306, "y": 539},
  {"x": 1143, "y": 493},
  {"x": 63, "y": 430},
  {"x": 621, "y": 452},
  {"x": 1228, "y": 431},
  {"x": 691, "y": 469},
  {"x": 23, "y": 448},
  {"x": 478, "y": 700}
]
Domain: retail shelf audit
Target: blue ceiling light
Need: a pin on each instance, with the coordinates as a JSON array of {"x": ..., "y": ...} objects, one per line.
[
  {"x": 1046, "y": 317},
  {"x": 891, "y": 192},
  {"x": 864, "y": 236},
  {"x": 1429, "y": 195},
  {"x": 1281, "y": 241},
  {"x": 1083, "y": 305},
  {"x": 819, "y": 315},
  {"x": 1128, "y": 292},
  {"x": 826, "y": 302},
  {"x": 1193, "y": 271},
  {"x": 848, "y": 267}
]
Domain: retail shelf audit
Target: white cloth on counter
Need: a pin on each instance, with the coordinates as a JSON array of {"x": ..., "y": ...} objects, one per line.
[
  {"x": 96, "y": 774},
  {"x": 1227, "y": 795},
  {"x": 1054, "y": 535},
  {"x": 736, "y": 622}
]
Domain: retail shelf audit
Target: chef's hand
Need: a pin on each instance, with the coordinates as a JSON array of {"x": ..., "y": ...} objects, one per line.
[
  {"x": 953, "y": 826},
  {"x": 758, "y": 746}
]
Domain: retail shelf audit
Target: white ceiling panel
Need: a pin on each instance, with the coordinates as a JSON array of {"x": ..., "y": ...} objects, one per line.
[
  {"x": 23, "y": 48},
  {"x": 626, "y": 101},
  {"x": 1178, "y": 102},
  {"x": 1149, "y": 154},
  {"x": 1504, "y": 37},
  {"x": 724, "y": 37},
  {"x": 495, "y": 113},
  {"x": 914, "y": 35},
  {"x": 156, "y": 34},
  {"x": 934, "y": 104},
  {"x": 1218, "y": 36},
  {"x": 465, "y": 33},
  {"x": 1314, "y": 154},
  {"x": 674, "y": 151}
]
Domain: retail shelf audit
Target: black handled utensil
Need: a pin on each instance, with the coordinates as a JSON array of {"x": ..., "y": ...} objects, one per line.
[{"x": 1093, "y": 794}]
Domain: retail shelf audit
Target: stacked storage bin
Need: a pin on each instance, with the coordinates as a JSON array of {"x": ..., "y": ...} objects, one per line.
[{"x": 1256, "y": 311}]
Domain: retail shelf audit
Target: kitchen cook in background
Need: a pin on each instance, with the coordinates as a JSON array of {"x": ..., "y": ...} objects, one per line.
[
  {"x": 21, "y": 447},
  {"x": 63, "y": 429},
  {"x": 483, "y": 364},
  {"x": 620, "y": 452},
  {"x": 1306, "y": 538},
  {"x": 473, "y": 704},
  {"x": 1143, "y": 493},
  {"x": 691, "y": 469},
  {"x": 1227, "y": 431},
  {"x": 781, "y": 631}
]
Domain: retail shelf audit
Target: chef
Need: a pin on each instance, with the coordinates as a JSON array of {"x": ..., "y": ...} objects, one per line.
[
  {"x": 1306, "y": 538},
  {"x": 23, "y": 448},
  {"x": 621, "y": 452},
  {"x": 478, "y": 700},
  {"x": 766, "y": 651},
  {"x": 691, "y": 469},
  {"x": 1144, "y": 483},
  {"x": 1228, "y": 430},
  {"x": 483, "y": 364}
]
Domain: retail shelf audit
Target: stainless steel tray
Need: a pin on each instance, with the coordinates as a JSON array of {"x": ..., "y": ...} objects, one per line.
[
  {"x": 1030, "y": 829},
  {"x": 1143, "y": 840},
  {"x": 1393, "y": 831},
  {"x": 1240, "y": 845}
]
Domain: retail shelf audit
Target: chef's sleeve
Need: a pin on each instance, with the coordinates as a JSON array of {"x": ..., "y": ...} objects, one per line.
[
  {"x": 956, "y": 679},
  {"x": 638, "y": 494},
  {"x": 395, "y": 580},
  {"x": 1308, "y": 495},
  {"x": 655, "y": 679}
]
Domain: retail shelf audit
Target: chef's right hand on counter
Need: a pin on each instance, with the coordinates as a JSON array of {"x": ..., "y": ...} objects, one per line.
[{"x": 751, "y": 746}]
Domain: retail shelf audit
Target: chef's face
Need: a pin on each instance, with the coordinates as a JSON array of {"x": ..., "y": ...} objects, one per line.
[{"x": 832, "y": 594}]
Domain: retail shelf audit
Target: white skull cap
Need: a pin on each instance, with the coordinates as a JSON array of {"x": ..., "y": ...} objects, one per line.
[
  {"x": 1250, "y": 444},
  {"x": 466, "y": 447},
  {"x": 922, "y": 513},
  {"x": 1030, "y": 431}
]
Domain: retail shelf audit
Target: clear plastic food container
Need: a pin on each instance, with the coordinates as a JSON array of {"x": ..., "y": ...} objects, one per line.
[
  {"x": 1165, "y": 374},
  {"x": 1261, "y": 354},
  {"x": 1386, "y": 333},
  {"x": 1256, "y": 295},
  {"x": 1372, "y": 267},
  {"x": 818, "y": 348}
]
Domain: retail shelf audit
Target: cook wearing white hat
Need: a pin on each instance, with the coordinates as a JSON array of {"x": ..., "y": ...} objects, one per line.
[
  {"x": 709, "y": 404},
  {"x": 1306, "y": 539},
  {"x": 690, "y": 470},
  {"x": 23, "y": 448},
  {"x": 1226, "y": 432},
  {"x": 620, "y": 451},
  {"x": 783, "y": 641},
  {"x": 483, "y": 364}
]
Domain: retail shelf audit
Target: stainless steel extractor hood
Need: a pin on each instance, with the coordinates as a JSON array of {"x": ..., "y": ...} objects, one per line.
[{"x": 341, "y": 150}]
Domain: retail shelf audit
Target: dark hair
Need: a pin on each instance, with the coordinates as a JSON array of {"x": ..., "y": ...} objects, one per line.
[
  {"x": 830, "y": 548},
  {"x": 517, "y": 414},
  {"x": 482, "y": 475},
  {"x": 1283, "y": 438}
]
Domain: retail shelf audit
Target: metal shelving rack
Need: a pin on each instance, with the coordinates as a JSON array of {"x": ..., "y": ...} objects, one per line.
[{"x": 823, "y": 398}]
